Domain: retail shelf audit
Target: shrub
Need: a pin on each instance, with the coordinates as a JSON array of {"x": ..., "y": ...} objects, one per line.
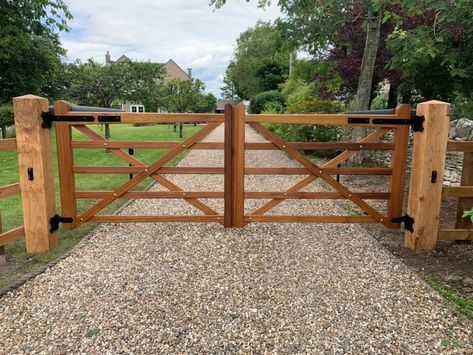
[
  {"x": 273, "y": 107},
  {"x": 6, "y": 117},
  {"x": 309, "y": 133},
  {"x": 263, "y": 98}
]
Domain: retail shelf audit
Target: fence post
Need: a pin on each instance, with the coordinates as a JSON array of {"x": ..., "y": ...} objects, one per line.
[
  {"x": 228, "y": 167},
  {"x": 239, "y": 165},
  {"x": 65, "y": 165},
  {"x": 3, "y": 258},
  {"x": 427, "y": 171},
  {"x": 398, "y": 164},
  {"x": 465, "y": 203},
  {"x": 35, "y": 163}
]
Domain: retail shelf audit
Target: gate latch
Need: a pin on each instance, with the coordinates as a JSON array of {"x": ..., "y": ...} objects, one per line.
[
  {"x": 55, "y": 220},
  {"x": 407, "y": 220}
]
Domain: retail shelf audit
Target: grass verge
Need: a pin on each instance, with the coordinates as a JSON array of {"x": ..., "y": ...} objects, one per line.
[{"x": 19, "y": 262}]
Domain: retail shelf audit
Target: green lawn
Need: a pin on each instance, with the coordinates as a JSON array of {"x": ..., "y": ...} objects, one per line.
[{"x": 10, "y": 208}]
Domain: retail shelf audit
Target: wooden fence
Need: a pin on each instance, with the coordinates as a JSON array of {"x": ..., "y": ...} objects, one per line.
[{"x": 33, "y": 142}]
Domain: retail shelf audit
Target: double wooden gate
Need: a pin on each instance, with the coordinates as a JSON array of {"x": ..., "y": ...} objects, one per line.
[{"x": 234, "y": 146}]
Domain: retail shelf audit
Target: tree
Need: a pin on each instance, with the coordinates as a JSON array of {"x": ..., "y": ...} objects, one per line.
[
  {"x": 31, "y": 53},
  {"x": 260, "y": 61},
  {"x": 228, "y": 90},
  {"x": 179, "y": 95}
]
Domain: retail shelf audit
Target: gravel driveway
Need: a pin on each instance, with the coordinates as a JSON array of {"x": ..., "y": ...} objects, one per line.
[{"x": 198, "y": 288}]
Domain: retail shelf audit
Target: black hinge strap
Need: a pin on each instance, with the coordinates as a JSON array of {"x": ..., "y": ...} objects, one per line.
[
  {"x": 407, "y": 220},
  {"x": 55, "y": 220}
]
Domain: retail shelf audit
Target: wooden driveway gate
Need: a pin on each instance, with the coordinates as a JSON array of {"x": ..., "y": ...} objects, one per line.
[{"x": 234, "y": 170}]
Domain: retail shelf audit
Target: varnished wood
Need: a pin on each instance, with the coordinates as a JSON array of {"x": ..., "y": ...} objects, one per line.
[
  {"x": 465, "y": 202},
  {"x": 156, "y": 219},
  {"x": 151, "y": 194},
  {"x": 149, "y": 117},
  {"x": 317, "y": 119},
  {"x": 458, "y": 191},
  {"x": 144, "y": 145},
  {"x": 8, "y": 144},
  {"x": 148, "y": 172},
  {"x": 398, "y": 164},
  {"x": 313, "y": 195},
  {"x": 315, "y": 170},
  {"x": 428, "y": 154},
  {"x": 228, "y": 167},
  {"x": 34, "y": 152},
  {"x": 238, "y": 152},
  {"x": 138, "y": 169},
  {"x": 455, "y": 234},
  {"x": 309, "y": 219},
  {"x": 159, "y": 179},
  {"x": 65, "y": 157},
  {"x": 9, "y": 190},
  {"x": 329, "y": 171},
  {"x": 322, "y": 146},
  {"x": 11, "y": 235},
  {"x": 459, "y": 146},
  {"x": 342, "y": 157}
]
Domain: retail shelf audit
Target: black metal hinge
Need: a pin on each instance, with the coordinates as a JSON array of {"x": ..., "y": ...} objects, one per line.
[
  {"x": 55, "y": 220},
  {"x": 416, "y": 122},
  {"x": 407, "y": 220}
]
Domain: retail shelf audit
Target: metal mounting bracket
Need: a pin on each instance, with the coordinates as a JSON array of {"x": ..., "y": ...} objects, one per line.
[
  {"x": 55, "y": 220},
  {"x": 407, "y": 220}
]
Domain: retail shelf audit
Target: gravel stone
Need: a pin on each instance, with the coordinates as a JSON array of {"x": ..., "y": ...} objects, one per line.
[{"x": 200, "y": 288}]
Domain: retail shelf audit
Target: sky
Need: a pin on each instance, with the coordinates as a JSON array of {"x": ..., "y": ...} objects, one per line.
[{"x": 190, "y": 32}]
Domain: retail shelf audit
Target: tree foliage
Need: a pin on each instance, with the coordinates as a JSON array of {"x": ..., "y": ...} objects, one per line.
[
  {"x": 179, "y": 95},
  {"x": 260, "y": 60},
  {"x": 100, "y": 85},
  {"x": 31, "y": 53}
]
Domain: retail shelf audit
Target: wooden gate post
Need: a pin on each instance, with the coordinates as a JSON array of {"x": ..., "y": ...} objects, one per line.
[
  {"x": 427, "y": 171},
  {"x": 65, "y": 156},
  {"x": 35, "y": 163},
  {"x": 228, "y": 168},
  {"x": 239, "y": 165}
]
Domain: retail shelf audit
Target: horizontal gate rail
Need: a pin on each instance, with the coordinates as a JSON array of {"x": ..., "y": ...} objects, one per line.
[
  {"x": 309, "y": 219},
  {"x": 137, "y": 219},
  {"x": 8, "y": 144}
]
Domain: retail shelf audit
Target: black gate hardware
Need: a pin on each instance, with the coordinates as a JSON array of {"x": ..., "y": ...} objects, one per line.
[
  {"x": 30, "y": 174},
  {"x": 49, "y": 118},
  {"x": 433, "y": 178},
  {"x": 417, "y": 122},
  {"x": 110, "y": 119},
  {"x": 354, "y": 120},
  {"x": 407, "y": 220},
  {"x": 55, "y": 220}
]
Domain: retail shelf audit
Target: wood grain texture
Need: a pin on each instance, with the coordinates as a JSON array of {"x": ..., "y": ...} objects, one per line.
[
  {"x": 34, "y": 152},
  {"x": 135, "y": 162},
  {"x": 11, "y": 235},
  {"x": 138, "y": 169},
  {"x": 317, "y": 119},
  {"x": 228, "y": 167},
  {"x": 238, "y": 152},
  {"x": 309, "y": 219},
  {"x": 316, "y": 171},
  {"x": 322, "y": 146},
  {"x": 148, "y": 172},
  {"x": 398, "y": 165},
  {"x": 455, "y": 234},
  {"x": 429, "y": 152},
  {"x": 8, "y": 144},
  {"x": 151, "y": 194},
  {"x": 65, "y": 157},
  {"x": 149, "y": 117},
  {"x": 148, "y": 219},
  {"x": 144, "y": 145},
  {"x": 457, "y": 146},
  {"x": 342, "y": 157},
  {"x": 329, "y": 171},
  {"x": 458, "y": 191},
  {"x": 9, "y": 190},
  {"x": 465, "y": 202}
]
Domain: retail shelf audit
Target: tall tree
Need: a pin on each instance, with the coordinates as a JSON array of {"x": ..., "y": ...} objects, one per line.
[
  {"x": 30, "y": 55},
  {"x": 228, "y": 91},
  {"x": 260, "y": 60}
]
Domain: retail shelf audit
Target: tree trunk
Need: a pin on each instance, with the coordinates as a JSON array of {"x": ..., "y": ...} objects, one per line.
[
  {"x": 175, "y": 127},
  {"x": 107, "y": 134},
  {"x": 365, "y": 81},
  {"x": 181, "y": 126},
  {"x": 392, "y": 96}
]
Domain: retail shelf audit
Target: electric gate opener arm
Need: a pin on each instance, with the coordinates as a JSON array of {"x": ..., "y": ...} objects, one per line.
[
  {"x": 416, "y": 122},
  {"x": 49, "y": 117}
]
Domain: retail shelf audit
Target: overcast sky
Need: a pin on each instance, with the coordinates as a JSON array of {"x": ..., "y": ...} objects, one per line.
[{"x": 188, "y": 31}]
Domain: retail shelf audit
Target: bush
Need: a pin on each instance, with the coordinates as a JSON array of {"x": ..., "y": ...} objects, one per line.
[
  {"x": 309, "y": 133},
  {"x": 273, "y": 107},
  {"x": 6, "y": 118},
  {"x": 263, "y": 98}
]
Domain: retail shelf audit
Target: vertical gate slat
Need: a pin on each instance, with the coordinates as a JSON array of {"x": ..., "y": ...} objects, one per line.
[
  {"x": 228, "y": 167},
  {"x": 238, "y": 187},
  {"x": 398, "y": 165}
]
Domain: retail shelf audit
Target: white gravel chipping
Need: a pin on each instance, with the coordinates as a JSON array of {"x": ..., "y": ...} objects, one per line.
[{"x": 199, "y": 288}]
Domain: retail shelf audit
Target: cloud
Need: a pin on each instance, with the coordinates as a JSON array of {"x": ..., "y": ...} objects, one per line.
[{"x": 188, "y": 31}]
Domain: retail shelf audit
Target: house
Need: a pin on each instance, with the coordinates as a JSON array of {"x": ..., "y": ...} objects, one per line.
[{"x": 172, "y": 71}]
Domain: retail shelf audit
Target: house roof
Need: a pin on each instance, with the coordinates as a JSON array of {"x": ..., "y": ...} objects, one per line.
[{"x": 221, "y": 103}]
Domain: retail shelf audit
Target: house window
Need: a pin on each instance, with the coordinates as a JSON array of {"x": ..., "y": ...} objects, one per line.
[{"x": 137, "y": 108}]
